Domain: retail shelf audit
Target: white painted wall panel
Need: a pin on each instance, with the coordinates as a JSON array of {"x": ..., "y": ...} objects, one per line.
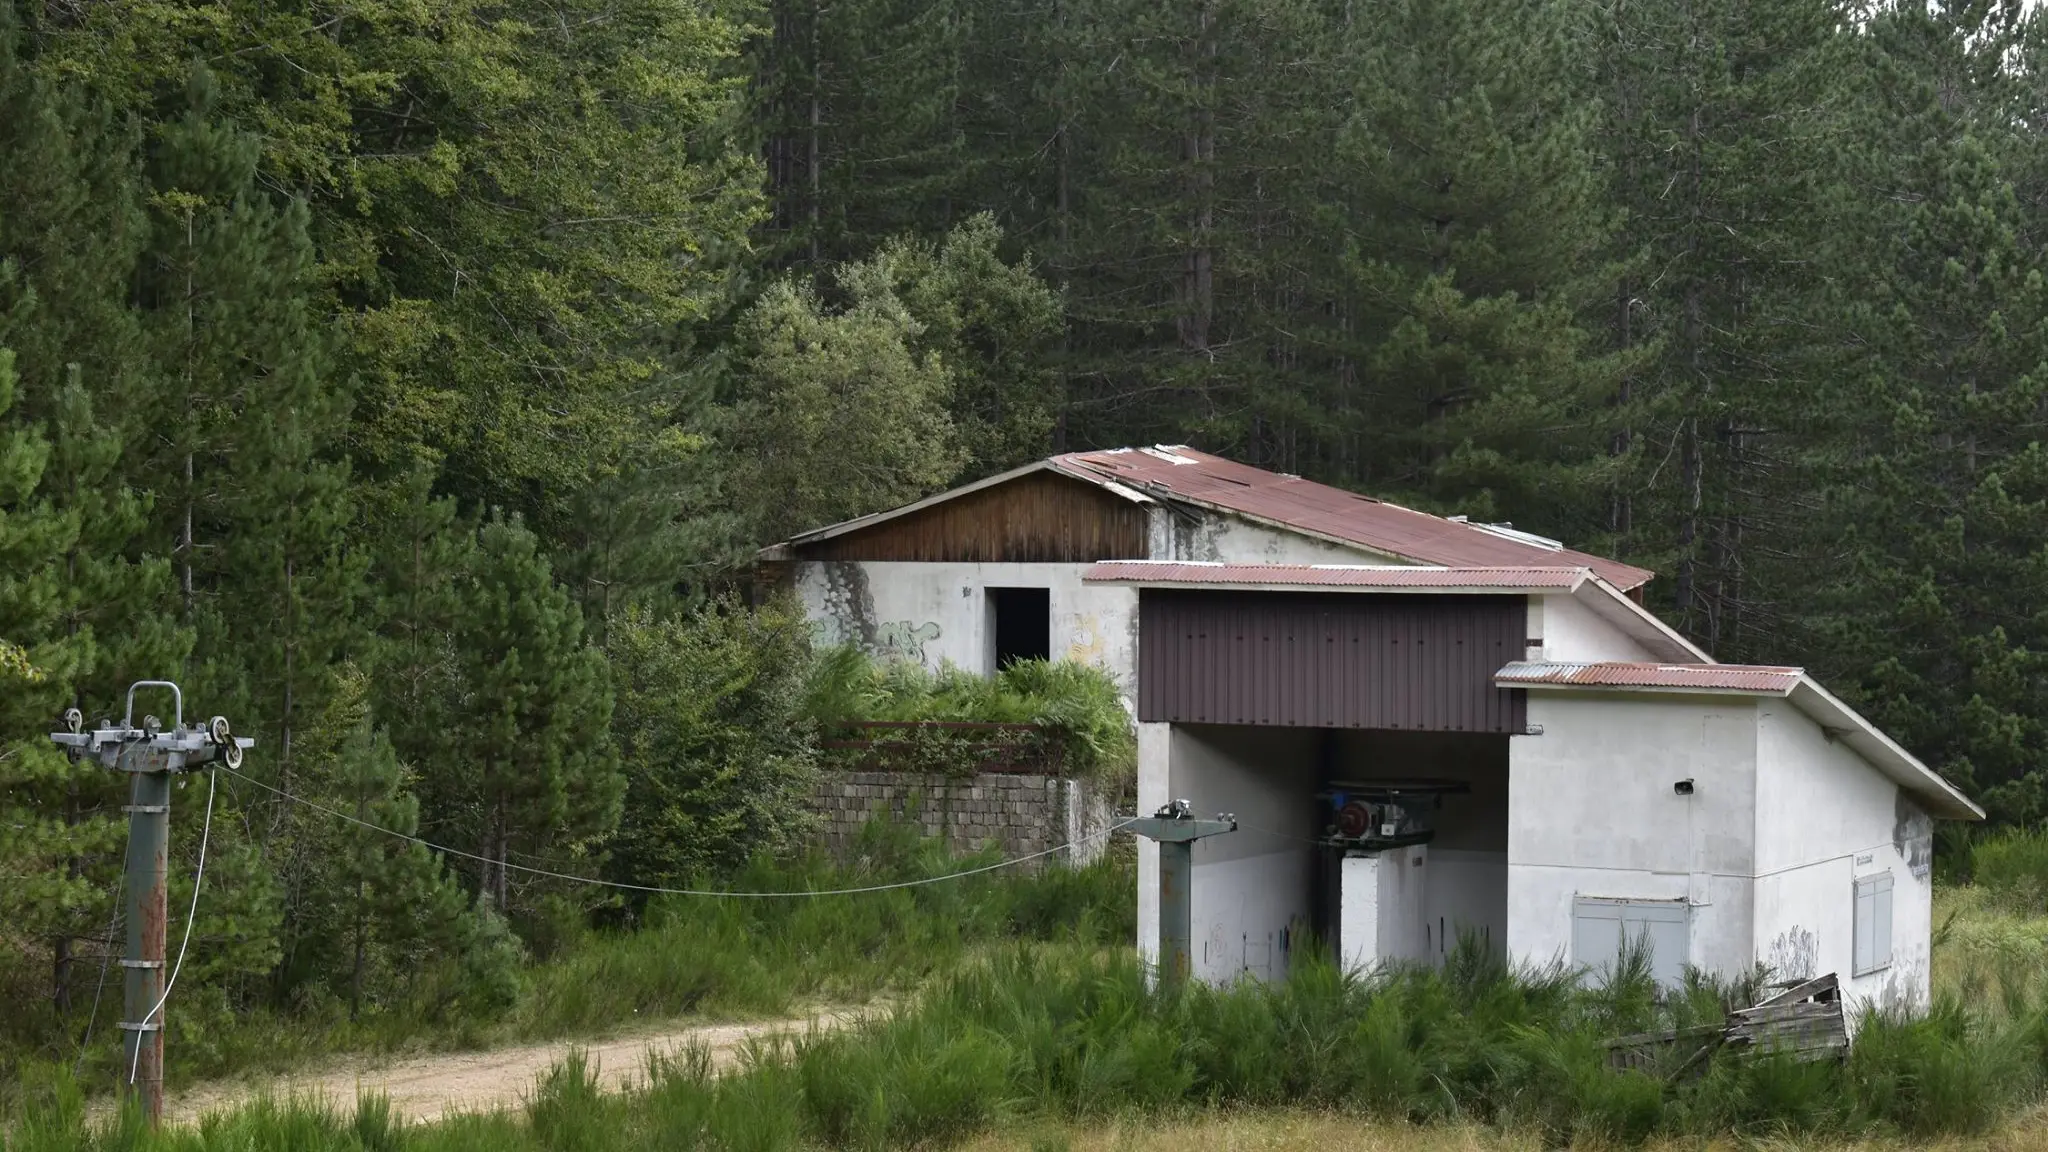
[
  {"x": 1824, "y": 819},
  {"x": 938, "y": 613},
  {"x": 1230, "y": 540},
  {"x": 1404, "y": 882},
  {"x": 1250, "y": 899},
  {"x": 1468, "y": 891},
  {"x": 1358, "y": 912},
  {"x": 1574, "y": 633},
  {"x": 1593, "y": 813}
]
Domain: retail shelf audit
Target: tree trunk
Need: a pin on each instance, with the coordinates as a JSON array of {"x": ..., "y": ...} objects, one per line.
[
  {"x": 1198, "y": 152},
  {"x": 814, "y": 160},
  {"x": 355, "y": 976}
]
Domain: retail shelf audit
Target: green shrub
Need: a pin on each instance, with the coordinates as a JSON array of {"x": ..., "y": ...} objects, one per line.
[
  {"x": 1079, "y": 704},
  {"x": 718, "y": 751}
]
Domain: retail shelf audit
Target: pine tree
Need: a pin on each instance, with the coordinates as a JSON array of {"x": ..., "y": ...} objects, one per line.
[
  {"x": 520, "y": 227},
  {"x": 711, "y": 728},
  {"x": 860, "y": 109},
  {"x": 373, "y": 913},
  {"x": 426, "y": 549},
  {"x": 537, "y": 773},
  {"x": 1474, "y": 247},
  {"x": 37, "y": 845},
  {"x": 88, "y": 609},
  {"x": 1932, "y": 616},
  {"x": 1723, "y": 131},
  {"x": 249, "y": 414}
]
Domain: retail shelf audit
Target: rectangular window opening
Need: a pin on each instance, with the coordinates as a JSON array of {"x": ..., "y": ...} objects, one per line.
[
  {"x": 1873, "y": 924},
  {"x": 1021, "y": 623}
]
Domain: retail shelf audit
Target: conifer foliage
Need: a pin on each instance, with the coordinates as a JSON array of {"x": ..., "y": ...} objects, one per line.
[{"x": 415, "y": 379}]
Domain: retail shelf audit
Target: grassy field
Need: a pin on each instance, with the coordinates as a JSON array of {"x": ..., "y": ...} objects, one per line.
[
  {"x": 1986, "y": 950},
  {"x": 1061, "y": 1046},
  {"x": 1026, "y": 1032},
  {"x": 1271, "y": 1131}
]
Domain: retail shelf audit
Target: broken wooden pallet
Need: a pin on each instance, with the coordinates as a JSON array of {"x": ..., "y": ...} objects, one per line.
[{"x": 1803, "y": 1021}]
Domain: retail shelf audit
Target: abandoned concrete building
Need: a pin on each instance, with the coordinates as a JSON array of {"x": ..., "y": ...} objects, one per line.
[{"x": 1427, "y": 728}]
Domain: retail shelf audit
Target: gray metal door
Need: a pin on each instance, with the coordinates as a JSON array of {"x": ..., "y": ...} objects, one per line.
[{"x": 1600, "y": 926}]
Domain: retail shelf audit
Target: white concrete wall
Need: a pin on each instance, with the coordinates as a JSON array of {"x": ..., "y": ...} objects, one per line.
[
  {"x": 1230, "y": 540},
  {"x": 1593, "y": 813},
  {"x": 1825, "y": 818},
  {"x": 1250, "y": 899},
  {"x": 1468, "y": 892},
  {"x": 1405, "y": 881},
  {"x": 1574, "y": 633},
  {"x": 939, "y": 613}
]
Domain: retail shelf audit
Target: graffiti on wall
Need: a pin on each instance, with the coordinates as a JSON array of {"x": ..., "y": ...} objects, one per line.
[
  {"x": 1086, "y": 645},
  {"x": 903, "y": 640},
  {"x": 1794, "y": 955}
]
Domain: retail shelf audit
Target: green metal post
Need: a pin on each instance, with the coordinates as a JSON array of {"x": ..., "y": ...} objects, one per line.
[
  {"x": 149, "y": 828},
  {"x": 149, "y": 755},
  {"x": 1176, "y": 830},
  {"x": 1176, "y": 926}
]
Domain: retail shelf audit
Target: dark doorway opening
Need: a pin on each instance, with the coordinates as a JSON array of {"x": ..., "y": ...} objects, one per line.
[{"x": 1023, "y": 624}]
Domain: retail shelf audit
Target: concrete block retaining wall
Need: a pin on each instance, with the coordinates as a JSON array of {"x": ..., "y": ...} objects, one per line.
[{"x": 1017, "y": 813}]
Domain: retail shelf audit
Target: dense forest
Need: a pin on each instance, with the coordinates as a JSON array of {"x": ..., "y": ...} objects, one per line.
[{"x": 414, "y": 378}]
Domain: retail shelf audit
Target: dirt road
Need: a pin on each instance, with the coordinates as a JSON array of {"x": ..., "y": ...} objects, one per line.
[{"x": 427, "y": 1087}]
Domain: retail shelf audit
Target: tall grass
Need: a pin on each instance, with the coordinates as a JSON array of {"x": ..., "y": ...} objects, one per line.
[
  {"x": 770, "y": 956},
  {"x": 694, "y": 955},
  {"x": 1027, "y": 1035},
  {"x": 2011, "y": 865}
]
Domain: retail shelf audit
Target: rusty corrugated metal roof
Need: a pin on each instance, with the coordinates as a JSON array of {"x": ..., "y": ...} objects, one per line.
[
  {"x": 1762, "y": 679},
  {"x": 1197, "y": 477},
  {"x": 1396, "y": 576}
]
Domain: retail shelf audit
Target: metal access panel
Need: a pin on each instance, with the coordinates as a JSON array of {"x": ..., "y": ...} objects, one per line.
[
  {"x": 1330, "y": 660},
  {"x": 1601, "y": 926}
]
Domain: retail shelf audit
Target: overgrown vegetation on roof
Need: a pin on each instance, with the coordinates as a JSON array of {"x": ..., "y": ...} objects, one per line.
[{"x": 1077, "y": 705}]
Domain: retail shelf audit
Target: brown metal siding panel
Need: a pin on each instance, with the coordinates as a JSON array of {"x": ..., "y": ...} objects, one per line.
[
  {"x": 1035, "y": 519},
  {"x": 1345, "y": 660}
]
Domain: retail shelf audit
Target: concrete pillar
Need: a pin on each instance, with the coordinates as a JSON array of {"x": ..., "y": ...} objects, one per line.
[
  {"x": 1380, "y": 908},
  {"x": 1358, "y": 912},
  {"x": 1154, "y": 780}
]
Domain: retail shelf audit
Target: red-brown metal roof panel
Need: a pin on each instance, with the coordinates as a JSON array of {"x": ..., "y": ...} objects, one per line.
[
  {"x": 1333, "y": 512},
  {"x": 1762, "y": 679},
  {"x": 1330, "y": 575}
]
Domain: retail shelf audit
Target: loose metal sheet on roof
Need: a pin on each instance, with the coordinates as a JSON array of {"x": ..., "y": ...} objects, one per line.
[
  {"x": 1770, "y": 680},
  {"x": 1384, "y": 576},
  {"x": 1304, "y": 505}
]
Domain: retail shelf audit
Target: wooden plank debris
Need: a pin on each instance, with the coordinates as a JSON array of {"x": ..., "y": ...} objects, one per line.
[{"x": 1804, "y": 1021}]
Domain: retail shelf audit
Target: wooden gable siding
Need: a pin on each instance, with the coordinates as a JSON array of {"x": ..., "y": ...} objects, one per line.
[{"x": 1039, "y": 518}]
